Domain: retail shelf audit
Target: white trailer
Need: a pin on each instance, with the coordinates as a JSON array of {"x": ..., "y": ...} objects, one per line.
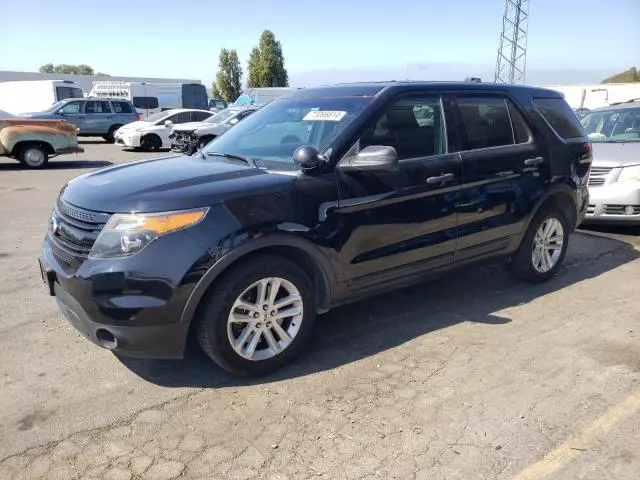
[
  {"x": 597, "y": 95},
  {"x": 36, "y": 95},
  {"x": 143, "y": 95}
]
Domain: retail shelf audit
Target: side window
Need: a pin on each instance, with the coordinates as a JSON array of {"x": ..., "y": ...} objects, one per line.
[
  {"x": 70, "y": 108},
  {"x": 560, "y": 116},
  {"x": 182, "y": 117},
  {"x": 121, "y": 107},
  {"x": 486, "y": 122},
  {"x": 413, "y": 126},
  {"x": 146, "y": 102},
  {"x": 200, "y": 116},
  {"x": 98, "y": 107},
  {"x": 520, "y": 129}
]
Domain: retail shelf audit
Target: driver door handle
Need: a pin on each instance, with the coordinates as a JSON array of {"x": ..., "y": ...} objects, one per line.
[
  {"x": 447, "y": 177},
  {"x": 533, "y": 161}
]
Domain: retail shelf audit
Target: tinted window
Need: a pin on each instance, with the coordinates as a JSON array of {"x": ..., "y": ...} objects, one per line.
[
  {"x": 194, "y": 95},
  {"x": 146, "y": 103},
  {"x": 71, "y": 107},
  {"x": 560, "y": 116},
  {"x": 98, "y": 107},
  {"x": 200, "y": 116},
  {"x": 413, "y": 126},
  {"x": 68, "y": 92},
  {"x": 520, "y": 129},
  {"x": 486, "y": 122},
  {"x": 183, "y": 117},
  {"x": 122, "y": 107}
]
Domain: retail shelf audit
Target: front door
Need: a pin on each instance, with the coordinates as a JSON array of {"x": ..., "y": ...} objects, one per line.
[
  {"x": 400, "y": 224},
  {"x": 505, "y": 170},
  {"x": 72, "y": 112},
  {"x": 98, "y": 117}
]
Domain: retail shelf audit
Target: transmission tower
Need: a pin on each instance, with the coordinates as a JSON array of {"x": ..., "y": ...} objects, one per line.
[{"x": 512, "y": 53}]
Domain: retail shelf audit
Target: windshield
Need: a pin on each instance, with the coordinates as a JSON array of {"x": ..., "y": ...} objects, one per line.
[
  {"x": 158, "y": 116},
  {"x": 56, "y": 106},
  {"x": 621, "y": 125},
  {"x": 221, "y": 116},
  {"x": 271, "y": 135}
]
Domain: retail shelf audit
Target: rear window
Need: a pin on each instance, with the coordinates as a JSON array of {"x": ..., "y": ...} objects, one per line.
[
  {"x": 560, "y": 116},
  {"x": 68, "y": 92},
  {"x": 146, "y": 103},
  {"x": 122, "y": 107}
]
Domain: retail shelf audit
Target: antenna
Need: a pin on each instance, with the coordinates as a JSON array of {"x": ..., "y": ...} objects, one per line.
[{"x": 512, "y": 52}]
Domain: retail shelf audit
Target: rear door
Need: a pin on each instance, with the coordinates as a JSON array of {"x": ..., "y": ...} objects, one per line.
[
  {"x": 505, "y": 170},
  {"x": 396, "y": 225},
  {"x": 98, "y": 117}
]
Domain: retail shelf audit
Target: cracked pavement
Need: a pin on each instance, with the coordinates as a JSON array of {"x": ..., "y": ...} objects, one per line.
[{"x": 468, "y": 376}]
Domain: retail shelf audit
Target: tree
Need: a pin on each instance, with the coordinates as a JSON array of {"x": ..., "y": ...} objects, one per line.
[
  {"x": 81, "y": 69},
  {"x": 628, "y": 76},
  {"x": 229, "y": 75},
  {"x": 266, "y": 63},
  {"x": 214, "y": 91}
]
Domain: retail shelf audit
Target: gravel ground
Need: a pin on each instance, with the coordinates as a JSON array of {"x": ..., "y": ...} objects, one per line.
[{"x": 469, "y": 376}]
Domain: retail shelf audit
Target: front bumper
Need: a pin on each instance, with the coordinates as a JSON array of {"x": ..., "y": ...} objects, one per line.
[
  {"x": 130, "y": 313},
  {"x": 617, "y": 202},
  {"x": 128, "y": 139}
]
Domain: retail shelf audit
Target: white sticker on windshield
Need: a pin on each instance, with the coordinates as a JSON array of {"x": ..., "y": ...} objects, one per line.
[{"x": 326, "y": 115}]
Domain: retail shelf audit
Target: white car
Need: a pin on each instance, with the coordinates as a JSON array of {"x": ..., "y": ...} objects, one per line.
[
  {"x": 189, "y": 137},
  {"x": 153, "y": 133}
]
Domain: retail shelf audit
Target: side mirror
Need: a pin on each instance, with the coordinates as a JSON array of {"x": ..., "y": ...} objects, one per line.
[
  {"x": 374, "y": 158},
  {"x": 60, "y": 112},
  {"x": 306, "y": 157},
  {"x": 233, "y": 121},
  {"x": 168, "y": 123}
]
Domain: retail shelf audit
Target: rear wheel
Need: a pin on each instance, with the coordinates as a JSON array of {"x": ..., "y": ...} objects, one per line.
[
  {"x": 110, "y": 137},
  {"x": 33, "y": 156},
  {"x": 543, "y": 247},
  {"x": 258, "y": 316},
  {"x": 150, "y": 143}
]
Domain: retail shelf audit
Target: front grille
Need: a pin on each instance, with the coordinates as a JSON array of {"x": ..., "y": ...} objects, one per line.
[
  {"x": 598, "y": 176},
  {"x": 73, "y": 231},
  {"x": 591, "y": 209},
  {"x": 620, "y": 210}
]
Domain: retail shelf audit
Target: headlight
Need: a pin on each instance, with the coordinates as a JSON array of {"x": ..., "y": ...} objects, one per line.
[
  {"x": 126, "y": 234},
  {"x": 630, "y": 174}
]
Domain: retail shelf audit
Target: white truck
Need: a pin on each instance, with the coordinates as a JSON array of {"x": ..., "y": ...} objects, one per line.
[
  {"x": 597, "y": 95},
  {"x": 36, "y": 95},
  {"x": 151, "y": 98}
]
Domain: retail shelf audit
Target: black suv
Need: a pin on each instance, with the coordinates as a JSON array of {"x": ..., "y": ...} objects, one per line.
[{"x": 320, "y": 198}]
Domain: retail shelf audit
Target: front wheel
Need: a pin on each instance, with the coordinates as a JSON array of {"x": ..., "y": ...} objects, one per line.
[
  {"x": 543, "y": 247},
  {"x": 110, "y": 137},
  {"x": 33, "y": 156},
  {"x": 258, "y": 316}
]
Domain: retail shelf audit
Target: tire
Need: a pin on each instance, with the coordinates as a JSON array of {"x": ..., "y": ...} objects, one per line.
[
  {"x": 150, "y": 143},
  {"x": 215, "y": 332},
  {"x": 110, "y": 137},
  {"x": 522, "y": 264},
  {"x": 33, "y": 156}
]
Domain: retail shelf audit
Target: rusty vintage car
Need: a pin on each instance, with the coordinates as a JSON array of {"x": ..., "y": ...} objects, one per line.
[{"x": 33, "y": 142}]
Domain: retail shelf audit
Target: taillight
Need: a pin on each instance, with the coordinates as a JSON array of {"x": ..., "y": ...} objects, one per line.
[
  {"x": 588, "y": 149},
  {"x": 138, "y": 117}
]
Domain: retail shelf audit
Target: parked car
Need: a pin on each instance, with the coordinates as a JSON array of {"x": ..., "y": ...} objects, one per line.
[
  {"x": 322, "y": 197},
  {"x": 190, "y": 137},
  {"x": 92, "y": 116},
  {"x": 36, "y": 95},
  {"x": 152, "y": 134},
  {"x": 217, "y": 104},
  {"x": 614, "y": 181},
  {"x": 33, "y": 142}
]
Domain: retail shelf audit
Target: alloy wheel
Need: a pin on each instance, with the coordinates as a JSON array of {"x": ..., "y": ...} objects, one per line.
[
  {"x": 265, "y": 319},
  {"x": 547, "y": 245}
]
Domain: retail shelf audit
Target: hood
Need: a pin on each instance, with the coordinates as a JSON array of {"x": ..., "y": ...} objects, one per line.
[
  {"x": 43, "y": 115},
  {"x": 174, "y": 182},
  {"x": 615, "y": 154},
  {"x": 134, "y": 125},
  {"x": 191, "y": 126}
]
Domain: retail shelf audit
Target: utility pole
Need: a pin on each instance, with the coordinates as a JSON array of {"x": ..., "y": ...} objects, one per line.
[{"x": 512, "y": 52}]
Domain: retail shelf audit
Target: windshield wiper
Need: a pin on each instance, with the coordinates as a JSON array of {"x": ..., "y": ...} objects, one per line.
[{"x": 231, "y": 156}]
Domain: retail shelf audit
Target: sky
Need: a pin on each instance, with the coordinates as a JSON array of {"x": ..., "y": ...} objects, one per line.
[{"x": 325, "y": 41}]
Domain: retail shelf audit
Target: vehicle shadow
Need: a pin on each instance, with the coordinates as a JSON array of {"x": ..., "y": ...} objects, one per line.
[
  {"x": 96, "y": 141},
  {"x": 350, "y": 333},
  {"x": 59, "y": 165}
]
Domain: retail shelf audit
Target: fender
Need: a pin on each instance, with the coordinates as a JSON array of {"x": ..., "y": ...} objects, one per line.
[
  {"x": 11, "y": 136},
  {"x": 276, "y": 240},
  {"x": 559, "y": 187}
]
